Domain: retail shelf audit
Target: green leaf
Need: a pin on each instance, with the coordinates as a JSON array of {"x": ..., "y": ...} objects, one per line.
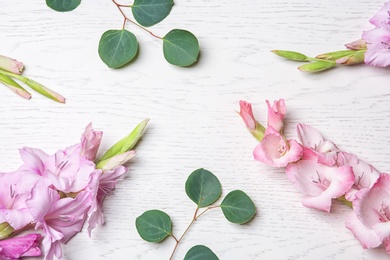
[
  {"x": 151, "y": 12},
  {"x": 203, "y": 187},
  {"x": 317, "y": 66},
  {"x": 290, "y": 55},
  {"x": 63, "y": 5},
  {"x": 181, "y": 48},
  {"x": 200, "y": 252},
  {"x": 117, "y": 47},
  {"x": 154, "y": 225},
  {"x": 238, "y": 207},
  {"x": 126, "y": 143},
  {"x": 14, "y": 86}
]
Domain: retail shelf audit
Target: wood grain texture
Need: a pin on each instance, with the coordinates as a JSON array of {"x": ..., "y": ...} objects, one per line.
[{"x": 193, "y": 120}]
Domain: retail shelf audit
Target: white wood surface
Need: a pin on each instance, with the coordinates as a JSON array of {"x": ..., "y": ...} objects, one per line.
[{"x": 193, "y": 122}]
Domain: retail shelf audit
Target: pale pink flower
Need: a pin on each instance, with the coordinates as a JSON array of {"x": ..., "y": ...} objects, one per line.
[
  {"x": 90, "y": 142},
  {"x": 116, "y": 160},
  {"x": 16, "y": 247},
  {"x": 382, "y": 17},
  {"x": 325, "y": 151},
  {"x": 378, "y": 50},
  {"x": 10, "y": 65},
  {"x": 370, "y": 221},
  {"x": 276, "y": 114},
  {"x": 256, "y": 129},
  {"x": 15, "y": 189},
  {"x": 59, "y": 218},
  {"x": 106, "y": 185},
  {"x": 320, "y": 183},
  {"x": 275, "y": 151},
  {"x": 365, "y": 174}
]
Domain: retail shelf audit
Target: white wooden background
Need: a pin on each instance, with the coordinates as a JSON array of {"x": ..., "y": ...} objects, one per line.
[{"x": 193, "y": 122}]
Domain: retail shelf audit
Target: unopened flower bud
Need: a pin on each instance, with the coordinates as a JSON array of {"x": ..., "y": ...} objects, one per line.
[
  {"x": 355, "y": 58},
  {"x": 256, "y": 129},
  {"x": 14, "y": 86},
  {"x": 335, "y": 55},
  {"x": 126, "y": 143},
  {"x": 317, "y": 66},
  {"x": 290, "y": 55},
  {"x": 357, "y": 45},
  {"x": 10, "y": 65}
]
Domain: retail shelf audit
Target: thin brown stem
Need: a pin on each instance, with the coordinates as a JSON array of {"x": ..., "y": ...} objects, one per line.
[
  {"x": 119, "y": 6},
  {"x": 196, "y": 216}
]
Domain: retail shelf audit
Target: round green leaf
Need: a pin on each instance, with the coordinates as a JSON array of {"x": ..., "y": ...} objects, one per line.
[
  {"x": 238, "y": 207},
  {"x": 117, "y": 47},
  {"x": 200, "y": 252},
  {"x": 181, "y": 48},
  {"x": 63, "y": 5},
  {"x": 154, "y": 225},
  {"x": 150, "y": 12},
  {"x": 203, "y": 187}
]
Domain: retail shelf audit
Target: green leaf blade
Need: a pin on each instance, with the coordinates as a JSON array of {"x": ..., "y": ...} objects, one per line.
[
  {"x": 63, "y": 5},
  {"x": 200, "y": 252},
  {"x": 181, "y": 48},
  {"x": 117, "y": 47},
  {"x": 238, "y": 207},
  {"x": 151, "y": 12},
  {"x": 154, "y": 225},
  {"x": 203, "y": 187}
]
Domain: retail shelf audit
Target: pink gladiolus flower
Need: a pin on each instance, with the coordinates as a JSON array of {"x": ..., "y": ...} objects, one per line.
[
  {"x": 276, "y": 114},
  {"x": 90, "y": 142},
  {"x": 320, "y": 183},
  {"x": 256, "y": 129},
  {"x": 324, "y": 150},
  {"x": 275, "y": 151},
  {"x": 14, "y": 191},
  {"x": 106, "y": 185},
  {"x": 10, "y": 65},
  {"x": 370, "y": 221},
  {"x": 381, "y": 18},
  {"x": 60, "y": 219},
  {"x": 365, "y": 174},
  {"x": 378, "y": 39},
  {"x": 14, "y": 248}
]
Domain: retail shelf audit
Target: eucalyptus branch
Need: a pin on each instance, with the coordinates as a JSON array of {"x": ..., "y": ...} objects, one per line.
[
  {"x": 203, "y": 188},
  {"x": 119, "y": 47}
]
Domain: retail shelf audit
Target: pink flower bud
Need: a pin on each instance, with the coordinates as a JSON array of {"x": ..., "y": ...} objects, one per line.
[
  {"x": 276, "y": 114},
  {"x": 256, "y": 129},
  {"x": 11, "y": 65}
]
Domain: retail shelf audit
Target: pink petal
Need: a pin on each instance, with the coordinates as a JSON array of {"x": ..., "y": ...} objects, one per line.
[
  {"x": 90, "y": 142},
  {"x": 14, "y": 248},
  {"x": 275, "y": 151},
  {"x": 365, "y": 235},
  {"x": 382, "y": 17},
  {"x": 319, "y": 182},
  {"x": 247, "y": 115},
  {"x": 378, "y": 52},
  {"x": 11, "y": 65},
  {"x": 276, "y": 114}
]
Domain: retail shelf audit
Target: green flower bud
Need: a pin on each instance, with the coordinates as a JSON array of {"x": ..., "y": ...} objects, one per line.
[
  {"x": 317, "y": 66},
  {"x": 335, "y": 55},
  {"x": 126, "y": 143},
  {"x": 355, "y": 58},
  {"x": 290, "y": 55}
]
